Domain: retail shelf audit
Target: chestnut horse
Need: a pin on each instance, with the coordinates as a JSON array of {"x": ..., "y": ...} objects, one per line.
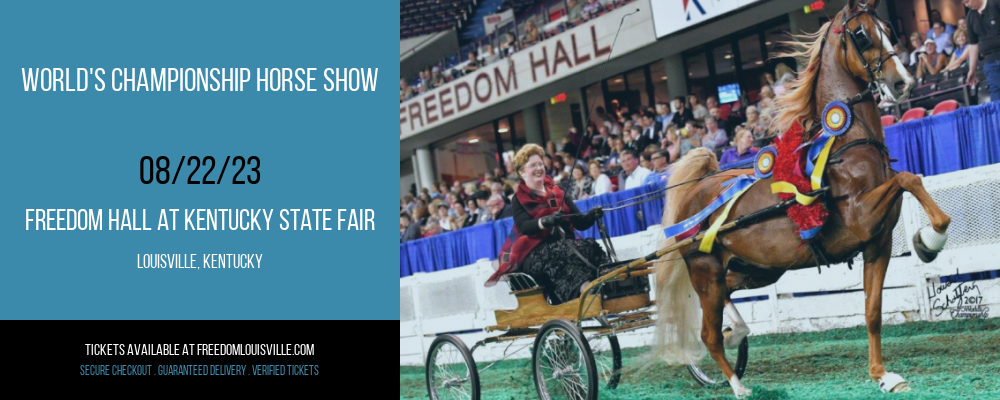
[{"x": 849, "y": 54}]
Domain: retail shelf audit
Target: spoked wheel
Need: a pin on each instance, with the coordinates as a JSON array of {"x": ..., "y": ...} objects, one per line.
[
  {"x": 562, "y": 363},
  {"x": 451, "y": 371},
  {"x": 607, "y": 357},
  {"x": 708, "y": 373}
]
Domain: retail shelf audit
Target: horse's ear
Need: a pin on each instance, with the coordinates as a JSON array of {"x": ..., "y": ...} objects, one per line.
[{"x": 853, "y": 4}]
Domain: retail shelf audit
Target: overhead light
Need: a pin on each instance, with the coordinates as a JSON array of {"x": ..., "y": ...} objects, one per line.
[
  {"x": 767, "y": 43},
  {"x": 502, "y": 130},
  {"x": 728, "y": 56},
  {"x": 619, "y": 80},
  {"x": 759, "y": 63},
  {"x": 663, "y": 78},
  {"x": 473, "y": 141}
]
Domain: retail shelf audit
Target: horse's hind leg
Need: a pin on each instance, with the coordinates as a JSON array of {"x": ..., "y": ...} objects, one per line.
[
  {"x": 708, "y": 277},
  {"x": 737, "y": 281},
  {"x": 876, "y": 263}
]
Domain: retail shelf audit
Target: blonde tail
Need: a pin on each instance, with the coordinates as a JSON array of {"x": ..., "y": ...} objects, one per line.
[{"x": 678, "y": 339}]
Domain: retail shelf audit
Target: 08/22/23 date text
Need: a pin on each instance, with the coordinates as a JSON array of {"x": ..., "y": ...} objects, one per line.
[{"x": 160, "y": 170}]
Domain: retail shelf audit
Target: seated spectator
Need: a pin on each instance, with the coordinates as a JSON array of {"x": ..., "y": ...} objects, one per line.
[
  {"x": 697, "y": 109},
  {"x": 495, "y": 206},
  {"x": 509, "y": 45},
  {"x": 473, "y": 63},
  {"x": 617, "y": 146},
  {"x": 918, "y": 48},
  {"x": 633, "y": 175},
  {"x": 681, "y": 113},
  {"x": 575, "y": 12},
  {"x": 592, "y": 9},
  {"x": 531, "y": 35},
  {"x": 754, "y": 123},
  {"x": 491, "y": 55},
  {"x": 483, "y": 214},
  {"x": 580, "y": 184},
  {"x": 671, "y": 144},
  {"x": 690, "y": 138},
  {"x": 646, "y": 160},
  {"x": 902, "y": 51},
  {"x": 405, "y": 91},
  {"x": 715, "y": 137},
  {"x": 942, "y": 36},
  {"x": 408, "y": 230},
  {"x": 784, "y": 75},
  {"x": 470, "y": 213},
  {"x": 432, "y": 228},
  {"x": 445, "y": 220},
  {"x": 959, "y": 57},
  {"x": 660, "y": 171},
  {"x": 932, "y": 61},
  {"x": 742, "y": 151},
  {"x": 602, "y": 184}
]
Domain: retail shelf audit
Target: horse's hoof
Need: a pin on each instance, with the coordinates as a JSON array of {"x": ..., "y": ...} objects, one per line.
[
  {"x": 733, "y": 336},
  {"x": 893, "y": 383},
  {"x": 928, "y": 243}
]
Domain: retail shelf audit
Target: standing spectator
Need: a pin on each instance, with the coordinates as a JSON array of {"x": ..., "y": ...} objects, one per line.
[
  {"x": 932, "y": 61},
  {"x": 697, "y": 110},
  {"x": 581, "y": 184},
  {"x": 936, "y": 18},
  {"x": 742, "y": 151},
  {"x": 960, "y": 57},
  {"x": 766, "y": 103},
  {"x": 632, "y": 175},
  {"x": 982, "y": 30},
  {"x": 681, "y": 115},
  {"x": 715, "y": 137},
  {"x": 941, "y": 37},
  {"x": 602, "y": 184},
  {"x": 649, "y": 133}
]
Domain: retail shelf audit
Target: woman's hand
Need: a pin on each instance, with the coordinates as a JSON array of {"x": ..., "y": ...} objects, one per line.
[
  {"x": 596, "y": 213},
  {"x": 551, "y": 220}
]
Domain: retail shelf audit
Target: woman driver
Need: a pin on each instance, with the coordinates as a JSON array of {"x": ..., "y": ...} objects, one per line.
[{"x": 542, "y": 242}]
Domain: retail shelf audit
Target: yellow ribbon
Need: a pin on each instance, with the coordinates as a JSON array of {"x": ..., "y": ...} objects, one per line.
[
  {"x": 709, "y": 239},
  {"x": 785, "y": 187},
  {"x": 817, "y": 175}
]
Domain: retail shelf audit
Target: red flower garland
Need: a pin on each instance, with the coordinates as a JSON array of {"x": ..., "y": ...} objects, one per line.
[{"x": 789, "y": 167}]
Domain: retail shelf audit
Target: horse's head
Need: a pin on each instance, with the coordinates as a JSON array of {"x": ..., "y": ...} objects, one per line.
[{"x": 867, "y": 52}]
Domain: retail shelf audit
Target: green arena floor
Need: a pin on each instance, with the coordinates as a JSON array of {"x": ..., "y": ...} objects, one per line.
[{"x": 944, "y": 360}]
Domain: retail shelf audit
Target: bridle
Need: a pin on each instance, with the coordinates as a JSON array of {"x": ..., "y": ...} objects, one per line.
[{"x": 862, "y": 41}]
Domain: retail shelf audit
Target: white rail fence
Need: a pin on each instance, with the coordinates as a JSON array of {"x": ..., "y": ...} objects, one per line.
[{"x": 455, "y": 301}]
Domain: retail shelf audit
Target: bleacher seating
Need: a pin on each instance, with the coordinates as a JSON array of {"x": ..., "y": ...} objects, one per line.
[
  {"x": 945, "y": 107},
  {"x": 914, "y": 114},
  {"x": 421, "y": 17},
  {"x": 888, "y": 120}
]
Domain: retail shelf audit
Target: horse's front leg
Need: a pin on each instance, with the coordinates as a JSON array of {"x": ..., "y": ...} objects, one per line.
[
  {"x": 876, "y": 263},
  {"x": 881, "y": 200}
]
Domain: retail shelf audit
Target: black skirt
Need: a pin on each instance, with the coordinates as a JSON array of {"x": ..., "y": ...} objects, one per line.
[{"x": 557, "y": 268}]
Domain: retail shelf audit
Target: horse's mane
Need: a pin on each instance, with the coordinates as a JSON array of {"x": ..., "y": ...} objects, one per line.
[{"x": 798, "y": 101}]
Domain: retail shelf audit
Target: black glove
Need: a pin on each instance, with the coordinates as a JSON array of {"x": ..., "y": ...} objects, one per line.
[
  {"x": 552, "y": 219},
  {"x": 596, "y": 213}
]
